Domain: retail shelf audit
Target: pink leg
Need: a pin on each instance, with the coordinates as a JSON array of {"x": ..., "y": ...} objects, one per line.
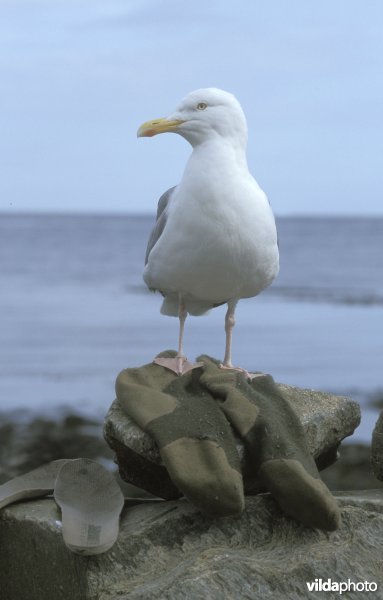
[
  {"x": 179, "y": 364},
  {"x": 182, "y": 314},
  {"x": 229, "y": 326}
]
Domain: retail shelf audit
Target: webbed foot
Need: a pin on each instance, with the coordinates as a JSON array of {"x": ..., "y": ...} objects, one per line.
[
  {"x": 179, "y": 364},
  {"x": 246, "y": 373}
]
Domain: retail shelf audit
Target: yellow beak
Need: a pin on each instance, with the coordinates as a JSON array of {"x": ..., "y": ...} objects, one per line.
[{"x": 150, "y": 128}]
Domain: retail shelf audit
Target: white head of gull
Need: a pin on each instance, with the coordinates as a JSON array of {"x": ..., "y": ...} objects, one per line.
[{"x": 215, "y": 239}]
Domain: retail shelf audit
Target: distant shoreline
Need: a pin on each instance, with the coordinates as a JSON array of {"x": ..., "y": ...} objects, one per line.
[{"x": 150, "y": 215}]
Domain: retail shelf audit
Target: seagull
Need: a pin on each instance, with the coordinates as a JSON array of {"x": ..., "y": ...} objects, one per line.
[{"x": 215, "y": 239}]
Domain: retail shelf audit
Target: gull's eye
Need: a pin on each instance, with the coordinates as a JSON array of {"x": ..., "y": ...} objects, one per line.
[{"x": 201, "y": 105}]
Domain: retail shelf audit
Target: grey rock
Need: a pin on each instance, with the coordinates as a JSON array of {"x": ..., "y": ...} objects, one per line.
[
  {"x": 377, "y": 448},
  {"x": 352, "y": 471},
  {"x": 327, "y": 419},
  {"x": 168, "y": 550}
]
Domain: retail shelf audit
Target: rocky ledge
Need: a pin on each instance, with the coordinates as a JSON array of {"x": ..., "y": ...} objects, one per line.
[{"x": 167, "y": 549}]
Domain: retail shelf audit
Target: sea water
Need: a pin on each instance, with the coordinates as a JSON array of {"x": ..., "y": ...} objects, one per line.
[{"x": 75, "y": 311}]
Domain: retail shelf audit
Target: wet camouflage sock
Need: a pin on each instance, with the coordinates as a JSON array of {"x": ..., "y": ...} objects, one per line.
[
  {"x": 275, "y": 442},
  {"x": 194, "y": 438}
]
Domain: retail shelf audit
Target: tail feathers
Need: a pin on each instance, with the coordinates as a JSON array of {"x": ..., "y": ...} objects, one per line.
[
  {"x": 170, "y": 306},
  {"x": 193, "y": 306}
]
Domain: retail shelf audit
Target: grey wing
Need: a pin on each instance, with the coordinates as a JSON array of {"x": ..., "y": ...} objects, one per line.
[{"x": 161, "y": 221}]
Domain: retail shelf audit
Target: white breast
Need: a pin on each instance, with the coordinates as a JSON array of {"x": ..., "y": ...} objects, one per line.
[{"x": 220, "y": 239}]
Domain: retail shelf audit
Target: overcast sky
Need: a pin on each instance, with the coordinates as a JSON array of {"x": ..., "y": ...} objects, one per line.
[{"x": 78, "y": 77}]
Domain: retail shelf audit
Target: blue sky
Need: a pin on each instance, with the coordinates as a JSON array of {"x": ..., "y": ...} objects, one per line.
[{"x": 79, "y": 76}]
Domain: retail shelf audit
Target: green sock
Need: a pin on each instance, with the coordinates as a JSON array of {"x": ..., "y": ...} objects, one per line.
[
  {"x": 194, "y": 438},
  {"x": 275, "y": 443}
]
